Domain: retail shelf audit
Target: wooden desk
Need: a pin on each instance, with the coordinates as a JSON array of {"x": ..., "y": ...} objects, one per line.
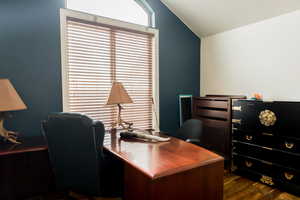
[
  {"x": 168, "y": 170},
  {"x": 24, "y": 169}
]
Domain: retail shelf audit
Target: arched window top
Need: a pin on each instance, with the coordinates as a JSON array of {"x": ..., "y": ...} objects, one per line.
[{"x": 133, "y": 11}]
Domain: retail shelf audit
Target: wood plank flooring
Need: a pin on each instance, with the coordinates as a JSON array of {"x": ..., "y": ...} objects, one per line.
[
  {"x": 235, "y": 188},
  {"x": 240, "y": 188}
]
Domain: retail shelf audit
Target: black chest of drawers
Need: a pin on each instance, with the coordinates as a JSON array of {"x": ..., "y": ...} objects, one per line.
[{"x": 266, "y": 142}]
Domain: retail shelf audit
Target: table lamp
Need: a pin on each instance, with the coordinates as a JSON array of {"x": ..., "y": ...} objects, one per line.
[
  {"x": 9, "y": 101},
  {"x": 118, "y": 95}
]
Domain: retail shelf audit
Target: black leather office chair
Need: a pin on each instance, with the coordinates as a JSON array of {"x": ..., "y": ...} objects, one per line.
[
  {"x": 76, "y": 153},
  {"x": 191, "y": 131}
]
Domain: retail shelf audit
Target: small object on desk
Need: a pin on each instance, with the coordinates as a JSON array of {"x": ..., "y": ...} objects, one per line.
[
  {"x": 129, "y": 135},
  {"x": 9, "y": 101}
]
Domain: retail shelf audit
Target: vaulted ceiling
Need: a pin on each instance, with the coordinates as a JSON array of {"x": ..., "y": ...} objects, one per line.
[{"x": 208, "y": 17}]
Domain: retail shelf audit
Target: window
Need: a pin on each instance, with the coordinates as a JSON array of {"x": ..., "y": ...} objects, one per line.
[
  {"x": 97, "y": 51},
  {"x": 133, "y": 11}
]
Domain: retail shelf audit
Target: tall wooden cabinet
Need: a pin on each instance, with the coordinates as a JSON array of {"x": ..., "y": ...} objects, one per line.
[{"x": 215, "y": 113}]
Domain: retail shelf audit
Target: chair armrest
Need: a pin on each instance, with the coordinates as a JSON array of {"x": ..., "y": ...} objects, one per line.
[
  {"x": 99, "y": 132},
  {"x": 194, "y": 141}
]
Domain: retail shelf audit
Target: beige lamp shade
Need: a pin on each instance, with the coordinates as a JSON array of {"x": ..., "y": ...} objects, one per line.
[
  {"x": 118, "y": 95},
  {"x": 9, "y": 98}
]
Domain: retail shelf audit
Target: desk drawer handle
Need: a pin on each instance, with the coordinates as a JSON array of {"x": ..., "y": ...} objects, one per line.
[
  {"x": 249, "y": 137},
  {"x": 288, "y": 176},
  {"x": 289, "y": 145},
  {"x": 248, "y": 163}
]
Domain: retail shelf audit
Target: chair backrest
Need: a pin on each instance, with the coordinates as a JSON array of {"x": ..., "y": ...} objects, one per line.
[
  {"x": 75, "y": 144},
  {"x": 191, "y": 129}
]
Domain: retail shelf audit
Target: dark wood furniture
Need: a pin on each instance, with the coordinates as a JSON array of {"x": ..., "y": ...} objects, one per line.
[
  {"x": 170, "y": 170},
  {"x": 215, "y": 113},
  {"x": 167, "y": 170},
  {"x": 24, "y": 169},
  {"x": 266, "y": 142}
]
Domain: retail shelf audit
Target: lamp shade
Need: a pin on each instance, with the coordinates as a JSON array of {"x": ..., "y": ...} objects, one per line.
[
  {"x": 9, "y": 98},
  {"x": 118, "y": 95}
]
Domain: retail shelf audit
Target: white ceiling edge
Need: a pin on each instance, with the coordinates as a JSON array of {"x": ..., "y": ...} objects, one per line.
[
  {"x": 181, "y": 19},
  {"x": 215, "y": 16},
  {"x": 254, "y": 23}
]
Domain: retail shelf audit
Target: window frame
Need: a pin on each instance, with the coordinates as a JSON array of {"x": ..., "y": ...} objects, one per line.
[
  {"x": 66, "y": 13},
  {"x": 144, "y": 5}
]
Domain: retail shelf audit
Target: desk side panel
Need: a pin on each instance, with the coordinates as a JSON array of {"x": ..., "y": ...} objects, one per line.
[{"x": 202, "y": 183}]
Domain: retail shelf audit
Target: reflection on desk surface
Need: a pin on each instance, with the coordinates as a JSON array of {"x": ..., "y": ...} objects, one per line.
[{"x": 159, "y": 159}]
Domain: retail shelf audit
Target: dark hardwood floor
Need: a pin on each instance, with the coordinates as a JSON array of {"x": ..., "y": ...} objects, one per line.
[
  {"x": 239, "y": 188},
  {"x": 235, "y": 188}
]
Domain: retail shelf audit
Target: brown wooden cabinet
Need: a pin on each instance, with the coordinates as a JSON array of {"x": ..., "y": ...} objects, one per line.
[
  {"x": 25, "y": 169},
  {"x": 215, "y": 113}
]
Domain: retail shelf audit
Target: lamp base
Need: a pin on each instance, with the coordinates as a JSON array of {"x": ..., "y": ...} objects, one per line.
[
  {"x": 7, "y": 135},
  {"x": 120, "y": 123}
]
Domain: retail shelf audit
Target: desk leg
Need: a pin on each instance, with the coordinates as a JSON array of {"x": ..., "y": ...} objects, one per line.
[{"x": 202, "y": 183}]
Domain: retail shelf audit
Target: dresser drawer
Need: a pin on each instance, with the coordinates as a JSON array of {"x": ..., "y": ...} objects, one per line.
[
  {"x": 253, "y": 164},
  {"x": 268, "y": 140},
  {"x": 267, "y": 154},
  {"x": 279, "y": 172},
  {"x": 211, "y": 104},
  {"x": 268, "y": 180},
  {"x": 258, "y": 138}
]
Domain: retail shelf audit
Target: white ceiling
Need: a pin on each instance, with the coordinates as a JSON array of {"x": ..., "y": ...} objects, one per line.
[{"x": 208, "y": 17}]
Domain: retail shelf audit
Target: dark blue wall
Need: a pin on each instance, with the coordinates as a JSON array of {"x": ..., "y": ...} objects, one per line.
[
  {"x": 30, "y": 58},
  {"x": 179, "y": 64}
]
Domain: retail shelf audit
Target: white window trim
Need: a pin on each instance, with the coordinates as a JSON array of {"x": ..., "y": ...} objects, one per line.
[{"x": 65, "y": 13}]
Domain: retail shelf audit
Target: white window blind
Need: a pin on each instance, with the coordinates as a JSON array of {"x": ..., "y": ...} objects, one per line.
[{"x": 96, "y": 56}]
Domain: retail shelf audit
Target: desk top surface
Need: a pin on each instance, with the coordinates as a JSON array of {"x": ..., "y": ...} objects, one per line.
[
  {"x": 162, "y": 158},
  {"x": 29, "y": 144}
]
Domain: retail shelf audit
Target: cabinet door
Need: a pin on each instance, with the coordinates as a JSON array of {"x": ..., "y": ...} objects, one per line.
[
  {"x": 253, "y": 115},
  {"x": 288, "y": 119}
]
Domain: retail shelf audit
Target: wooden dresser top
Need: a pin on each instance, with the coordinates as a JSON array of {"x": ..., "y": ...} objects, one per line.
[
  {"x": 160, "y": 159},
  {"x": 29, "y": 144}
]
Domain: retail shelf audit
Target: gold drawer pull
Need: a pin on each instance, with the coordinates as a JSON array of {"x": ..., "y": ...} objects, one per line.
[
  {"x": 237, "y": 121},
  {"x": 267, "y": 134},
  {"x": 267, "y": 163},
  {"x": 289, "y": 145},
  {"x": 288, "y": 176},
  {"x": 237, "y": 108},
  {"x": 249, "y": 137},
  {"x": 268, "y": 148},
  {"x": 267, "y": 180},
  {"x": 248, "y": 163}
]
